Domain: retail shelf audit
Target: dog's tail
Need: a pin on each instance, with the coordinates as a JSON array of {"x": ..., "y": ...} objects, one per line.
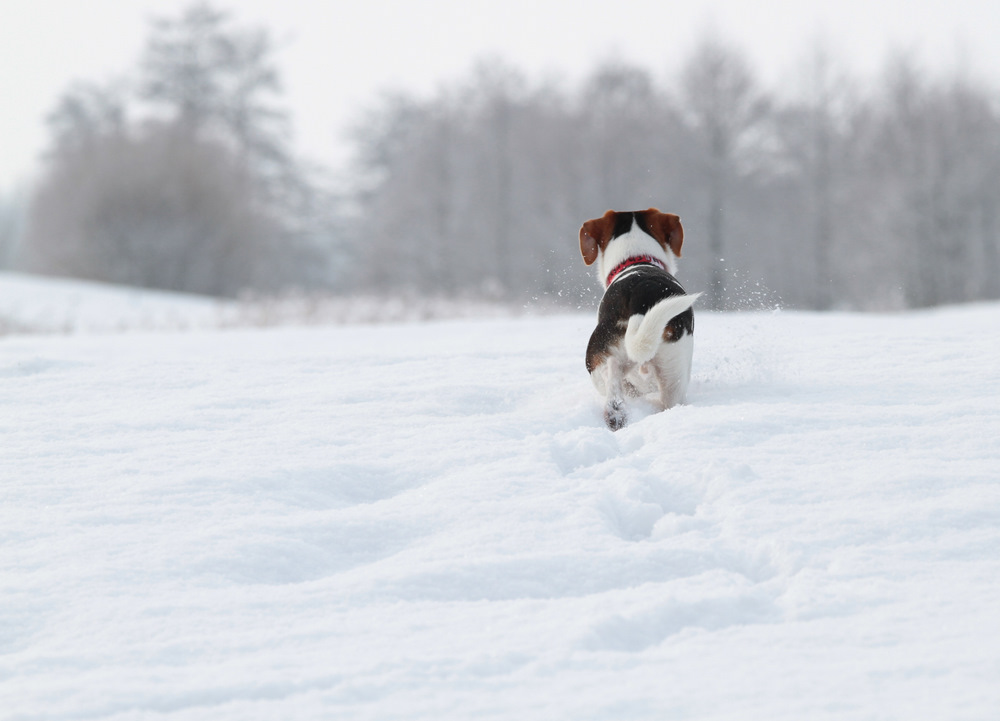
[{"x": 645, "y": 332}]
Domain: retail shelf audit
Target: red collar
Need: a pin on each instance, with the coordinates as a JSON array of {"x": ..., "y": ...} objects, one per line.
[{"x": 634, "y": 260}]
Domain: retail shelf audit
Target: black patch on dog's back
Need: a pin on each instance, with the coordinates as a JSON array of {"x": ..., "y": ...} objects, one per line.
[{"x": 636, "y": 293}]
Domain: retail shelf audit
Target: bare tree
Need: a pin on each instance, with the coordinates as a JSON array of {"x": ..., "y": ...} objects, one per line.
[
  {"x": 183, "y": 64},
  {"x": 967, "y": 130},
  {"x": 404, "y": 199},
  {"x": 936, "y": 155},
  {"x": 492, "y": 105},
  {"x": 620, "y": 110},
  {"x": 724, "y": 106},
  {"x": 11, "y": 226},
  {"x": 813, "y": 135}
]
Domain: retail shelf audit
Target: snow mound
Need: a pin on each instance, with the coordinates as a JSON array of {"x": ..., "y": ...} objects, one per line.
[{"x": 38, "y": 304}]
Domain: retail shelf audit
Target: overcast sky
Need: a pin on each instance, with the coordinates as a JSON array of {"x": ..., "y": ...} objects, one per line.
[{"x": 336, "y": 56}]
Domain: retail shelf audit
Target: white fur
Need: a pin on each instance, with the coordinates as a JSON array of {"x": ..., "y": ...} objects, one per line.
[
  {"x": 672, "y": 367},
  {"x": 666, "y": 374},
  {"x": 644, "y": 334},
  {"x": 633, "y": 243}
]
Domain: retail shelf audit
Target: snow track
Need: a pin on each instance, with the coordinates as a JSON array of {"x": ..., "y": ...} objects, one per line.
[{"x": 431, "y": 522}]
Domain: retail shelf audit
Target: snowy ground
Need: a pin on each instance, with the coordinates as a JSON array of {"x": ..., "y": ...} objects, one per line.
[
  {"x": 58, "y": 305},
  {"x": 429, "y": 521},
  {"x": 34, "y": 304}
]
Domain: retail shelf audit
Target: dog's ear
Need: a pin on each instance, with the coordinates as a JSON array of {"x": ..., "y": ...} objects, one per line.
[
  {"x": 595, "y": 234},
  {"x": 667, "y": 230}
]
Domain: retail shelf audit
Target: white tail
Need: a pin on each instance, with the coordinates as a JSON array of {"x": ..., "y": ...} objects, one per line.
[{"x": 645, "y": 332}]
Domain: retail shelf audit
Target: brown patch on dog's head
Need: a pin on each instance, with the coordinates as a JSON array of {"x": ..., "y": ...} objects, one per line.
[
  {"x": 665, "y": 228},
  {"x": 595, "y": 234}
]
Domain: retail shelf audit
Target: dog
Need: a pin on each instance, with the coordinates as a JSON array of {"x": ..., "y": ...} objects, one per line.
[{"x": 644, "y": 337}]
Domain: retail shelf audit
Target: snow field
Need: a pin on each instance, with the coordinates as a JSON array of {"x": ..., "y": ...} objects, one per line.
[{"x": 430, "y": 521}]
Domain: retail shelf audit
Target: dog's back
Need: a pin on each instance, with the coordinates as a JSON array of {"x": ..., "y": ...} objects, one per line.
[{"x": 655, "y": 308}]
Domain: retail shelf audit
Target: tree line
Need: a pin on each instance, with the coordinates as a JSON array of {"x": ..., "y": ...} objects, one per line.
[
  {"x": 828, "y": 195},
  {"x": 824, "y": 193}
]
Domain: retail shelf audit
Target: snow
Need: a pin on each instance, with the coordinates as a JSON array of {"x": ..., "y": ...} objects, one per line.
[
  {"x": 429, "y": 521},
  {"x": 58, "y": 305}
]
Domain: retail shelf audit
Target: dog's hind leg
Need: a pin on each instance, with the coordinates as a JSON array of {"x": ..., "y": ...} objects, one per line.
[
  {"x": 673, "y": 370},
  {"x": 615, "y": 414}
]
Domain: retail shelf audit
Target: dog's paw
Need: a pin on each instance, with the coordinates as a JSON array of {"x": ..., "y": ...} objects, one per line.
[{"x": 615, "y": 415}]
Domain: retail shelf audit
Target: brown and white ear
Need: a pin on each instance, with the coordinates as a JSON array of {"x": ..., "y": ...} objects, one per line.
[
  {"x": 667, "y": 229},
  {"x": 595, "y": 234}
]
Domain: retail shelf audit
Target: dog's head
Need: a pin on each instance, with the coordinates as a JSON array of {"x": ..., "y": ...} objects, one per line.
[{"x": 617, "y": 236}]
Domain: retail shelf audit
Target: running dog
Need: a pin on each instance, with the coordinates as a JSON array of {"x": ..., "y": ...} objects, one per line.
[{"x": 645, "y": 325}]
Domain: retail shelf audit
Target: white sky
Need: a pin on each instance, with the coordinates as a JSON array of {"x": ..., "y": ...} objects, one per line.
[{"x": 337, "y": 55}]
